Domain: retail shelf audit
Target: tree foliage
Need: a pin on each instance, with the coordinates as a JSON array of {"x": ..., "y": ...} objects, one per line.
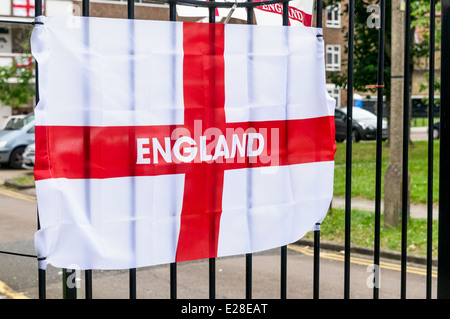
[
  {"x": 16, "y": 84},
  {"x": 365, "y": 61},
  {"x": 420, "y": 10}
]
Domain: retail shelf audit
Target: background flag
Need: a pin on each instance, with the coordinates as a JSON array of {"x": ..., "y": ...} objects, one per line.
[{"x": 300, "y": 13}]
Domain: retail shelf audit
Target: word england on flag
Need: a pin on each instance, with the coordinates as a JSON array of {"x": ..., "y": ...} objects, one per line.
[{"x": 160, "y": 142}]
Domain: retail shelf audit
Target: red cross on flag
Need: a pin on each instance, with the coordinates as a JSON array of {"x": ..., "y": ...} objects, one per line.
[
  {"x": 23, "y": 8},
  {"x": 167, "y": 141}
]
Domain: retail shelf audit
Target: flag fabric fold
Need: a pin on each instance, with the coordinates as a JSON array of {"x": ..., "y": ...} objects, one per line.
[{"x": 161, "y": 142}]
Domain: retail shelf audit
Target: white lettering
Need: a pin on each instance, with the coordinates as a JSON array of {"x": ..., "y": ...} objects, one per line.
[
  {"x": 191, "y": 151},
  {"x": 203, "y": 156},
  {"x": 165, "y": 153},
  {"x": 191, "y": 308},
  {"x": 221, "y": 143},
  {"x": 251, "y": 138},
  {"x": 185, "y": 148},
  {"x": 141, "y": 151},
  {"x": 236, "y": 144}
]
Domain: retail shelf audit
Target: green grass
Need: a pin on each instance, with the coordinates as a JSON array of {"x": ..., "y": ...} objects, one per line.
[
  {"x": 363, "y": 170},
  {"x": 363, "y": 185},
  {"x": 28, "y": 179},
  {"x": 363, "y": 229}
]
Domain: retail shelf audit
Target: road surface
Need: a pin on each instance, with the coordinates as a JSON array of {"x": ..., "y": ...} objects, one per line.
[{"x": 18, "y": 275}]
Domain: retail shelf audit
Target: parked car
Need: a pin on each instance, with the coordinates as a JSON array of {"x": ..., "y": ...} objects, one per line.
[
  {"x": 13, "y": 141},
  {"x": 437, "y": 130},
  {"x": 28, "y": 157},
  {"x": 364, "y": 125}
]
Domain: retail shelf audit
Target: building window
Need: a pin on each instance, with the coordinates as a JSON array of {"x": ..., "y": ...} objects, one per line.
[
  {"x": 333, "y": 16},
  {"x": 5, "y": 40},
  {"x": 335, "y": 93},
  {"x": 333, "y": 58}
]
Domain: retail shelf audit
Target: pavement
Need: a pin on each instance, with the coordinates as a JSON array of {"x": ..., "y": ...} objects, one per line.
[
  {"x": 419, "y": 211},
  {"x": 416, "y": 210}
]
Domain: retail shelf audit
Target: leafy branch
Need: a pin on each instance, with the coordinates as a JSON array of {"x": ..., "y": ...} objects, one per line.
[{"x": 16, "y": 83}]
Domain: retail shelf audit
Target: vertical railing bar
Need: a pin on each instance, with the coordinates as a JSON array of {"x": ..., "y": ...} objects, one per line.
[
  {"x": 132, "y": 284},
  {"x": 430, "y": 151},
  {"x": 316, "y": 266},
  {"x": 250, "y": 14},
  {"x": 319, "y": 13},
  {"x": 405, "y": 149},
  {"x": 172, "y": 10},
  {"x": 348, "y": 162},
  {"x": 283, "y": 277},
  {"x": 173, "y": 266},
  {"x": 316, "y": 261},
  {"x": 132, "y": 271},
  {"x": 212, "y": 13},
  {"x": 249, "y": 257},
  {"x": 443, "y": 279},
  {"x": 130, "y": 9},
  {"x": 212, "y": 278},
  {"x": 88, "y": 283},
  {"x": 88, "y": 272},
  {"x": 380, "y": 89},
  {"x": 285, "y": 13},
  {"x": 85, "y": 8},
  {"x": 248, "y": 276},
  {"x": 69, "y": 291},
  {"x": 41, "y": 272},
  {"x": 212, "y": 261},
  {"x": 173, "y": 280},
  {"x": 42, "y": 283}
]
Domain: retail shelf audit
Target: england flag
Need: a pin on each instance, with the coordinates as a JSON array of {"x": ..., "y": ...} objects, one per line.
[{"x": 160, "y": 142}]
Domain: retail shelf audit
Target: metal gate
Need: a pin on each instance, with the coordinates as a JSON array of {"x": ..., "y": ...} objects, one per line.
[{"x": 443, "y": 283}]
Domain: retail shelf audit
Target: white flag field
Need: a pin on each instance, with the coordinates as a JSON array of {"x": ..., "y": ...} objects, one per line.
[
  {"x": 300, "y": 12},
  {"x": 160, "y": 142}
]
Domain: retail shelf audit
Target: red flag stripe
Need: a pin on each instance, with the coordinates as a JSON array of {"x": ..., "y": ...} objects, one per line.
[{"x": 60, "y": 150}]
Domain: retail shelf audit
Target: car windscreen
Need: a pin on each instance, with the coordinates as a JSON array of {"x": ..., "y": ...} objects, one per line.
[
  {"x": 19, "y": 123},
  {"x": 361, "y": 114}
]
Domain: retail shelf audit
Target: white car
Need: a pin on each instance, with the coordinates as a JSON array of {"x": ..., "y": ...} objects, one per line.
[{"x": 28, "y": 157}]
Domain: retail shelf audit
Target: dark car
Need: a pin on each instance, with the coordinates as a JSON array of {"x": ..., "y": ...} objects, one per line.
[
  {"x": 364, "y": 125},
  {"x": 437, "y": 130}
]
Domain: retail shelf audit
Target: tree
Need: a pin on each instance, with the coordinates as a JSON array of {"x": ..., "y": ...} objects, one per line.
[
  {"x": 420, "y": 10},
  {"x": 16, "y": 83},
  {"x": 366, "y": 52}
]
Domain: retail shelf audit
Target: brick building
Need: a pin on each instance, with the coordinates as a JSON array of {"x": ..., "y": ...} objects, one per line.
[{"x": 333, "y": 23}]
